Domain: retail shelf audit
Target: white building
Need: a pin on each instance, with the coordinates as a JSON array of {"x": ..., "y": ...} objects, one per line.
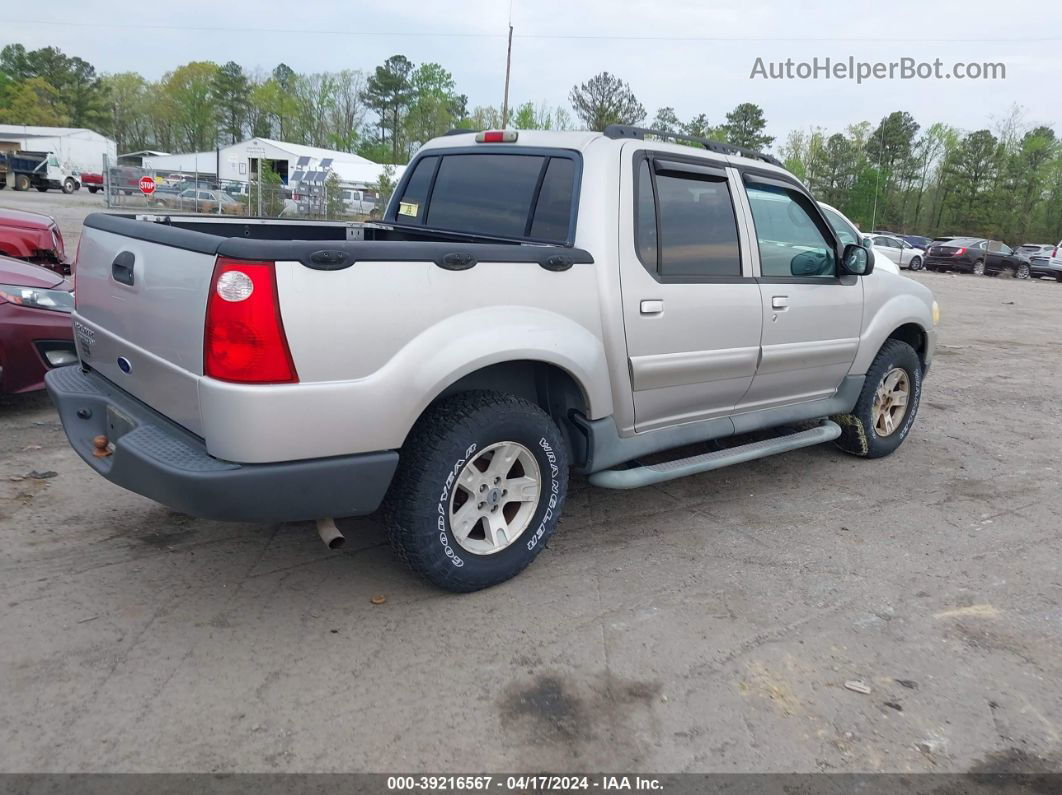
[
  {"x": 239, "y": 162},
  {"x": 77, "y": 148}
]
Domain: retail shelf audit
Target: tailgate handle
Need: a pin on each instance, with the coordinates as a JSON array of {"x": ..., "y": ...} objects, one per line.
[
  {"x": 122, "y": 268},
  {"x": 456, "y": 261}
]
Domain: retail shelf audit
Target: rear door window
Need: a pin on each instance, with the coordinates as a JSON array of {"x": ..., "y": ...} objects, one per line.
[
  {"x": 522, "y": 196},
  {"x": 685, "y": 224}
]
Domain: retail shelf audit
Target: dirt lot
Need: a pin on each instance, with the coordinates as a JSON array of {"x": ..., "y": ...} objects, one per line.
[{"x": 706, "y": 624}]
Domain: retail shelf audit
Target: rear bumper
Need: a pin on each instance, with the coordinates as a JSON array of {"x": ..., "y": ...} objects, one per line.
[
  {"x": 158, "y": 459},
  {"x": 1045, "y": 267}
]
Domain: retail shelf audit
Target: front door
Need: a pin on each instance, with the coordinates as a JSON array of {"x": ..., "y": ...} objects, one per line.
[
  {"x": 811, "y": 315},
  {"x": 691, "y": 308}
]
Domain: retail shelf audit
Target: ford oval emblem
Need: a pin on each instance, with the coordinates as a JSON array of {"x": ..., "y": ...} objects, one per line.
[{"x": 124, "y": 365}]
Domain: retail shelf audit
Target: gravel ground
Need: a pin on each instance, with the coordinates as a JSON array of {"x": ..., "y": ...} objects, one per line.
[{"x": 708, "y": 624}]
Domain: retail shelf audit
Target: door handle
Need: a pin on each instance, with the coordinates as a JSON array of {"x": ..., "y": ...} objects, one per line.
[
  {"x": 652, "y": 307},
  {"x": 780, "y": 302}
]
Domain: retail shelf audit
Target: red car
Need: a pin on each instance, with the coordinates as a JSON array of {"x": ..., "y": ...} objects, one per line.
[
  {"x": 33, "y": 237},
  {"x": 35, "y": 329}
]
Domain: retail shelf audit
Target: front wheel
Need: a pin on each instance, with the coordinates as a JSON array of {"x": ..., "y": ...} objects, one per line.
[
  {"x": 480, "y": 487},
  {"x": 979, "y": 268},
  {"x": 1023, "y": 271},
  {"x": 69, "y": 186},
  {"x": 887, "y": 406},
  {"x": 916, "y": 264}
]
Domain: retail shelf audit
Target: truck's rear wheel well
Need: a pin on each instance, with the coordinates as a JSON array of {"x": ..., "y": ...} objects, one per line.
[
  {"x": 913, "y": 335},
  {"x": 554, "y": 390}
]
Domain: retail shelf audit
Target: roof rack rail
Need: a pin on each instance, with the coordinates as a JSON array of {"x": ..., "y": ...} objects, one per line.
[{"x": 639, "y": 133}]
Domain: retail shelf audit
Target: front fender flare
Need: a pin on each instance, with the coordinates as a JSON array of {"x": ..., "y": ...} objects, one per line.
[{"x": 895, "y": 312}]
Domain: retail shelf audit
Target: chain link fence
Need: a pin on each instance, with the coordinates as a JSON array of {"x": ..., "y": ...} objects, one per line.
[{"x": 189, "y": 192}]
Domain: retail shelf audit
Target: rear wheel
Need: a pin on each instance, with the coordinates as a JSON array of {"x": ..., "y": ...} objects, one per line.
[
  {"x": 22, "y": 182},
  {"x": 479, "y": 490},
  {"x": 979, "y": 268},
  {"x": 887, "y": 406},
  {"x": 42, "y": 188},
  {"x": 92, "y": 188}
]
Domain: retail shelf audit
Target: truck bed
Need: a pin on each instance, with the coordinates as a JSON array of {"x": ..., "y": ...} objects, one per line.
[
  {"x": 365, "y": 308},
  {"x": 291, "y": 240}
]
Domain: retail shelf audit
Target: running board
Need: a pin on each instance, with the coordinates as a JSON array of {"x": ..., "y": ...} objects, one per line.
[{"x": 681, "y": 467}]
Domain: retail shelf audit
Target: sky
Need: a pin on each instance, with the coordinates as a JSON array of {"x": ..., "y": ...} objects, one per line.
[{"x": 695, "y": 56}]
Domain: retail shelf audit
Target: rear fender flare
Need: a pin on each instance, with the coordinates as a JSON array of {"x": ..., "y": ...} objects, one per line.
[{"x": 459, "y": 345}]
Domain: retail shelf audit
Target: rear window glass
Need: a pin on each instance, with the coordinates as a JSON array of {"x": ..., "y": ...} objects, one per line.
[
  {"x": 500, "y": 195},
  {"x": 553, "y": 211},
  {"x": 414, "y": 200}
]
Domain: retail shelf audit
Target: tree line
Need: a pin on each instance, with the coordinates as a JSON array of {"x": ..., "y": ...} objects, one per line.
[{"x": 1004, "y": 182}]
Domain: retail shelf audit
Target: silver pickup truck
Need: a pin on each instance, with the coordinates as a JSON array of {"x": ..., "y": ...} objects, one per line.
[{"x": 531, "y": 304}]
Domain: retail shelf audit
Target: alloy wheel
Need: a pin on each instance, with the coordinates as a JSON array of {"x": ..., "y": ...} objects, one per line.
[
  {"x": 495, "y": 498},
  {"x": 890, "y": 401}
]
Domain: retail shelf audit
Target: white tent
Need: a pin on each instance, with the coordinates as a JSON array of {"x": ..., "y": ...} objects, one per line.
[
  {"x": 77, "y": 148},
  {"x": 238, "y": 162}
]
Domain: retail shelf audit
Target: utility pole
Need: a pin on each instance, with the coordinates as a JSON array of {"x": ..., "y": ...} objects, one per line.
[
  {"x": 508, "y": 65},
  {"x": 877, "y": 176}
]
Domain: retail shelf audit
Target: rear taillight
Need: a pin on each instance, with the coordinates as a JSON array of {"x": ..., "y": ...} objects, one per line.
[
  {"x": 959, "y": 252},
  {"x": 1055, "y": 252},
  {"x": 244, "y": 339}
]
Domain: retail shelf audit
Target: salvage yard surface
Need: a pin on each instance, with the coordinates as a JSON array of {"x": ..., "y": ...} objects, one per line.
[{"x": 730, "y": 621}]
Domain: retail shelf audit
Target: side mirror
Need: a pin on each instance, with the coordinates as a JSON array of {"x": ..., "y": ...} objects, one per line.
[
  {"x": 857, "y": 260},
  {"x": 868, "y": 243},
  {"x": 809, "y": 263}
]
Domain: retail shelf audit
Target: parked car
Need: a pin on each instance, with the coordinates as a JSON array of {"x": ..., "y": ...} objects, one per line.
[
  {"x": 1048, "y": 262},
  {"x": 652, "y": 297},
  {"x": 847, "y": 232},
  {"x": 977, "y": 256},
  {"x": 35, "y": 330},
  {"x": 358, "y": 202},
  {"x": 899, "y": 251},
  {"x": 202, "y": 201},
  {"x": 93, "y": 182},
  {"x": 918, "y": 241},
  {"x": 33, "y": 237}
]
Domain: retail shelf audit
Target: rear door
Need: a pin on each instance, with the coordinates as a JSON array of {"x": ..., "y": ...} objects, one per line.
[
  {"x": 691, "y": 308},
  {"x": 811, "y": 315}
]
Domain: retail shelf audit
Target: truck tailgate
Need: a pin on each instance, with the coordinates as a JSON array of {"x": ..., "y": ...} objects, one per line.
[{"x": 139, "y": 319}]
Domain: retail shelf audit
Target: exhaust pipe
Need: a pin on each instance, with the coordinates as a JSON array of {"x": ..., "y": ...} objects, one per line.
[{"x": 333, "y": 539}]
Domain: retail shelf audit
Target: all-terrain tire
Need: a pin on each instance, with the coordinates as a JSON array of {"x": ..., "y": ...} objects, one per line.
[
  {"x": 859, "y": 436},
  {"x": 446, "y": 438}
]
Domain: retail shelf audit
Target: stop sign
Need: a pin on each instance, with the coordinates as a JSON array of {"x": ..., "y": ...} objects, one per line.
[{"x": 147, "y": 185}]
